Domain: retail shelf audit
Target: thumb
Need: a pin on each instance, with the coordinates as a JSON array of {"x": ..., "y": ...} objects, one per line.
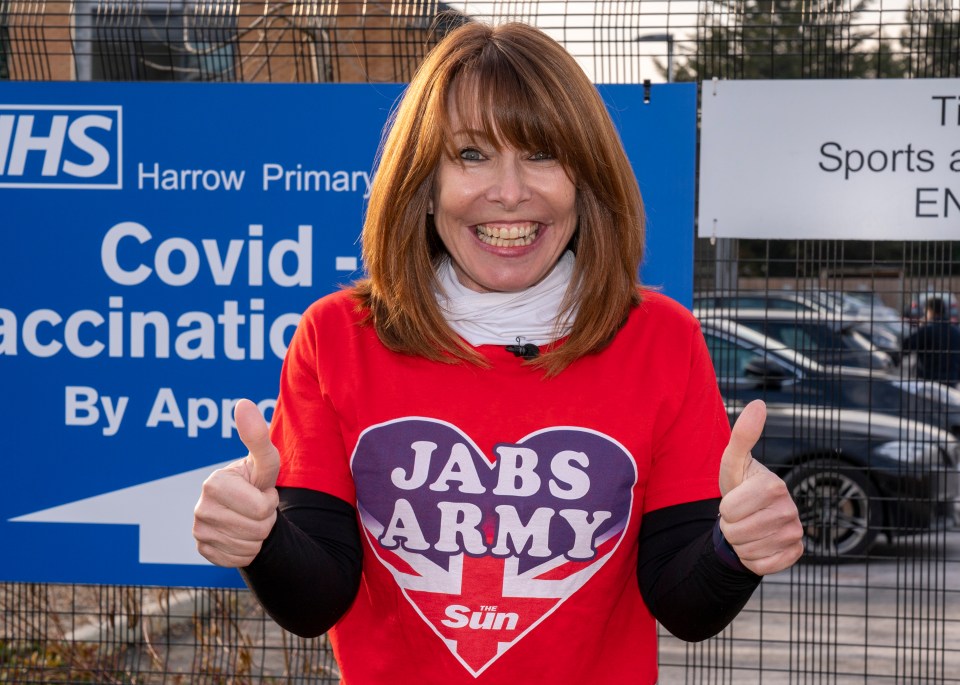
[
  {"x": 263, "y": 460},
  {"x": 736, "y": 458}
]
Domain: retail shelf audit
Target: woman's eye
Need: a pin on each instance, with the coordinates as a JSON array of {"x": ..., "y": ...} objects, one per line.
[
  {"x": 470, "y": 154},
  {"x": 541, "y": 156}
]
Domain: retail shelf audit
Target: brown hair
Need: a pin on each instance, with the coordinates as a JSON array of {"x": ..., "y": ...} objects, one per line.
[{"x": 532, "y": 95}]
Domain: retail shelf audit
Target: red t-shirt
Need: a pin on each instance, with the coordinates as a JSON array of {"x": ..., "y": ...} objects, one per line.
[{"x": 500, "y": 510}]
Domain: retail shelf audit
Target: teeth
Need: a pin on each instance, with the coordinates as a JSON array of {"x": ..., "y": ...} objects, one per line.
[{"x": 507, "y": 236}]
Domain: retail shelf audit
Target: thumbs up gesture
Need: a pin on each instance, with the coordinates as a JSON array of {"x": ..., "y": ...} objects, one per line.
[
  {"x": 238, "y": 503},
  {"x": 757, "y": 515}
]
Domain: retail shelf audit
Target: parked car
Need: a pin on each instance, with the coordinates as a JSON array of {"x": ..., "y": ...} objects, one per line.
[
  {"x": 821, "y": 301},
  {"x": 784, "y": 300},
  {"x": 857, "y": 475},
  {"x": 885, "y": 333},
  {"x": 863, "y": 452},
  {"x": 750, "y": 365},
  {"x": 915, "y": 309},
  {"x": 889, "y": 326},
  {"x": 826, "y": 339},
  {"x": 870, "y": 304}
]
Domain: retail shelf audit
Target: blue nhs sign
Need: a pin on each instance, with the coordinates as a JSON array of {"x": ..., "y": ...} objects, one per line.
[
  {"x": 61, "y": 146},
  {"x": 133, "y": 317}
]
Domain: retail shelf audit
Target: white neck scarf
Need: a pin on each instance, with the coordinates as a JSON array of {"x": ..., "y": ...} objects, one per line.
[{"x": 532, "y": 315}]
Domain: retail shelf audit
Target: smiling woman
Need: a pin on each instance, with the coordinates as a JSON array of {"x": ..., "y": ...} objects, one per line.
[
  {"x": 498, "y": 438},
  {"x": 504, "y": 215},
  {"x": 499, "y": 131}
]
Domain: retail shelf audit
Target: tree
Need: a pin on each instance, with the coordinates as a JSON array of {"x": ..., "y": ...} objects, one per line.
[
  {"x": 931, "y": 40},
  {"x": 785, "y": 39}
]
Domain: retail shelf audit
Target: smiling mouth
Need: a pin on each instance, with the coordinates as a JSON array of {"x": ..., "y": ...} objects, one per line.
[{"x": 515, "y": 235}]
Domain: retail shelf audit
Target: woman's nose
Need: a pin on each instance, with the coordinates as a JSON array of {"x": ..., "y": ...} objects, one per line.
[{"x": 510, "y": 185}]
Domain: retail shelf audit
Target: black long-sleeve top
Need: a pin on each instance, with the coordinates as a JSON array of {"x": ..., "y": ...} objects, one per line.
[
  {"x": 308, "y": 570},
  {"x": 937, "y": 344}
]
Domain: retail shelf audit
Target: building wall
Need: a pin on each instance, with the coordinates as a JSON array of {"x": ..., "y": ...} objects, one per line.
[{"x": 270, "y": 41}]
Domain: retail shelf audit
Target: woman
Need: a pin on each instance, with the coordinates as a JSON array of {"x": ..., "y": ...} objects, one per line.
[{"x": 529, "y": 441}]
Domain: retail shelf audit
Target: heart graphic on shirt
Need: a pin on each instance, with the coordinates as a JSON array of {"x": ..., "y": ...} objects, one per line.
[{"x": 484, "y": 549}]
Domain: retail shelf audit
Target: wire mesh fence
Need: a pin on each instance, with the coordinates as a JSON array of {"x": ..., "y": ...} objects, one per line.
[
  {"x": 879, "y": 603},
  {"x": 117, "y": 634},
  {"x": 876, "y": 598},
  {"x": 350, "y": 41}
]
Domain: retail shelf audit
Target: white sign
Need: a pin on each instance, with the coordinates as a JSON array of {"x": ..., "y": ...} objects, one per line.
[{"x": 831, "y": 159}]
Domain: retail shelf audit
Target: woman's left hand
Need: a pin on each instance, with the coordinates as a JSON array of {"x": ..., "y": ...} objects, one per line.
[{"x": 757, "y": 515}]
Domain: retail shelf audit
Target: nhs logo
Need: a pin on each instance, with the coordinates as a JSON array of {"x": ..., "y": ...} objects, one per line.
[{"x": 61, "y": 146}]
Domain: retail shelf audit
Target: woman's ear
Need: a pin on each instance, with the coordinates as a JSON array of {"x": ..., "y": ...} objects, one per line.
[{"x": 430, "y": 205}]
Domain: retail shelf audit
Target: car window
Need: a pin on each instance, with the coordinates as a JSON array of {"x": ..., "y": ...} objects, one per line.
[
  {"x": 805, "y": 338},
  {"x": 824, "y": 337},
  {"x": 729, "y": 358},
  {"x": 800, "y": 338},
  {"x": 786, "y": 305},
  {"x": 741, "y": 302},
  {"x": 754, "y": 302}
]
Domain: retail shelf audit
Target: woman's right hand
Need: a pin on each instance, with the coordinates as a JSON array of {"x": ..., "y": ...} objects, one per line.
[{"x": 238, "y": 503}]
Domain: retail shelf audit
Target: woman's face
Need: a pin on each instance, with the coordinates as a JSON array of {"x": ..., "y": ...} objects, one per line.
[{"x": 505, "y": 216}]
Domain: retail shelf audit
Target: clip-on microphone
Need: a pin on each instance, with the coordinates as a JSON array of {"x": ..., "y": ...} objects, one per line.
[{"x": 526, "y": 350}]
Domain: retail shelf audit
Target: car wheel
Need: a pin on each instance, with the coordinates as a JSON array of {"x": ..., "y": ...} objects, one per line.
[{"x": 838, "y": 508}]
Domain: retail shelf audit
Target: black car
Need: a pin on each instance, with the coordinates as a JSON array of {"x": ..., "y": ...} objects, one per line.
[
  {"x": 826, "y": 339},
  {"x": 770, "y": 300},
  {"x": 882, "y": 326},
  {"x": 862, "y": 452},
  {"x": 857, "y": 475},
  {"x": 752, "y": 366}
]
